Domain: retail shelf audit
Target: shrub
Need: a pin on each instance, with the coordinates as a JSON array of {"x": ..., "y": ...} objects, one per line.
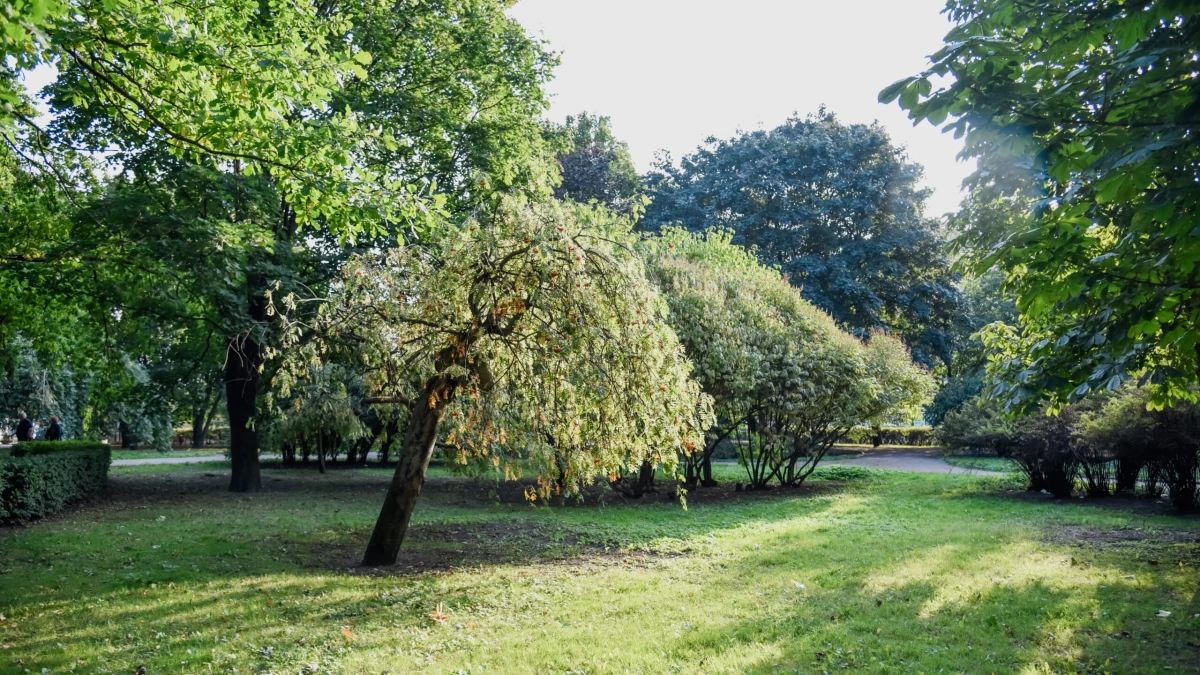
[
  {"x": 1044, "y": 451},
  {"x": 39, "y": 478},
  {"x": 1159, "y": 444},
  {"x": 979, "y": 425}
]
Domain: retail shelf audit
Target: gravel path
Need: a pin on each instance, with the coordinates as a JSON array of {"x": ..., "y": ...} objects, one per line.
[
  {"x": 169, "y": 460},
  {"x": 920, "y": 461}
]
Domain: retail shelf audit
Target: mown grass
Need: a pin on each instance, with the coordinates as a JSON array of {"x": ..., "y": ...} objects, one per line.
[
  {"x": 117, "y": 453},
  {"x": 983, "y": 463},
  {"x": 876, "y": 572}
]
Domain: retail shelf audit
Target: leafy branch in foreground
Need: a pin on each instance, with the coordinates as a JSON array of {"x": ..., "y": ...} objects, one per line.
[{"x": 1083, "y": 117}]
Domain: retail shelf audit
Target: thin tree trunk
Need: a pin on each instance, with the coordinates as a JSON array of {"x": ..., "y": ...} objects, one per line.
[
  {"x": 242, "y": 360},
  {"x": 420, "y": 436},
  {"x": 321, "y": 452},
  {"x": 200, "y": 421}
]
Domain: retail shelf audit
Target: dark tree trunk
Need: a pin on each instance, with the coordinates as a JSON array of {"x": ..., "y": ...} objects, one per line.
[
  {"x": 389, "y": 437},
  {"x": 242, "y": 360},
  {"x": 706, "y": 472},
  {"x": 420, "y": 437},
  {"x": 645, "y": 482},
  {"x": 201, "y": 421},
  {"x": 321, "y": 452},
  {"x": 127, "y": 440}
]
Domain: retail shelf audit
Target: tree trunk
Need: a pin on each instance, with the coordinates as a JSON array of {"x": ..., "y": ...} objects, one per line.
[
  {"x": 321, "y": 452},
  {"x": 415, "y": 453},
  {"x": 126, "y": 435},
  {"x": 200, "y": 421},
  {"x": 242, "y": 359},
  {"x": 197, "y": 427},
  {"x": 706, "y": 469},
  {"x": 389, "y": 437}
]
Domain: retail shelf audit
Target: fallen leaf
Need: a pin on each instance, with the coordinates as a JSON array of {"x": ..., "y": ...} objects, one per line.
[
  {"x": 438, "y": 614},
  {"x": 347, "y": 632}
]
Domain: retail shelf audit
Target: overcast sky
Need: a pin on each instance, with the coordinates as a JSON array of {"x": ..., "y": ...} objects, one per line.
[{"x": 672, "y": 72}]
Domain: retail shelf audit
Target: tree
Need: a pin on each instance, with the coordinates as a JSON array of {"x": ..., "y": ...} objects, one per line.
[
  {"x": 779, "y": 370},
  {"x": 1084, "y": 113},
  {"x": 984, "y": 301},
  {"x": 595, "y": 165},
  {"x": 191, "y": 237},
  {"x": 733, "y": 315},
  {"x": 837, "y": 208},
  {"x": 533, "y": 334}
]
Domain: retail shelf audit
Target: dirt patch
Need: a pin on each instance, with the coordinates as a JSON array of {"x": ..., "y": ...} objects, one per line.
[
  {"x": 1149, "y": 546},
  {"x": 445, "y": 547},
  {"x": 1137, "y": 504}
]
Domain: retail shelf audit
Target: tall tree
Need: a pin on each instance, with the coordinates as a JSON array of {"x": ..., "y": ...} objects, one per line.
[
  {"x": 1085, "y": 111},
  {"x": 837, "y": 208},
  {"x": 595, "y": 165},
  {"x": 195, "y": 235}
]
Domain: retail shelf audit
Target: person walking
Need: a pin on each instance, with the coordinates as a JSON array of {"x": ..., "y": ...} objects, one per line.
[
  {"x": 54, "y": 431},
  {"x": 24, "y": 428}
]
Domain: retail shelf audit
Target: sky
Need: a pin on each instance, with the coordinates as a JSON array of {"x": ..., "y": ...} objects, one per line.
[{"x": 671, "y": 73}]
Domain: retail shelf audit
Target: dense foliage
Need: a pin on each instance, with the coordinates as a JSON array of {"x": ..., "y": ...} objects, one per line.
[
  {"x": 594, "y": 165},
  {"x": 787, "y": 383},
  {"x": 146, "y": 265},
  {"x": 39, "y": 478},
  {"x": 1082, "y": 116},
  {"x": 837, "y": 209},
  {"x": 1109, "y": 443},
  {"x": 532, "y": 334}
]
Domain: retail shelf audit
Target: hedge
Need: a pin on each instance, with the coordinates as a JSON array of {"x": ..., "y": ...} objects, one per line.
[
  {"x": 890, "y": 436},
  {"x": 38, "y": 478}
]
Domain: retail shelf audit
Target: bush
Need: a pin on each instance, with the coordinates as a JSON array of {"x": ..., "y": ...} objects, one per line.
[
  {"x": 1043, "y": 446},
  {"x": 1159, "y": 445},
  {"x": 1044, "y": 450},
  {"x": 979, "y": 426},
  {"x": 39, "y": 478}
]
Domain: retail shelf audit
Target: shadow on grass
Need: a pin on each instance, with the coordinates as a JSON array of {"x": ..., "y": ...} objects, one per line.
[{"x": 162, "y": 567}]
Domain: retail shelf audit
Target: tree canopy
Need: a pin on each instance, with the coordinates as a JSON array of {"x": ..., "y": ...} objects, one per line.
[
  {"x": 774, "y": 363},
  {"x": 595, "y": 165},
  {"x": 836, "y": 208},
  {"x": 533, "y": 332},
  {"x": 1081, "y": 115}
]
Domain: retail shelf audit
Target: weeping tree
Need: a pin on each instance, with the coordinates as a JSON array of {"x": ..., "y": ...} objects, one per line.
[
  {"x": 321, "y": 413},
  {"x": 529, "y": 338}
]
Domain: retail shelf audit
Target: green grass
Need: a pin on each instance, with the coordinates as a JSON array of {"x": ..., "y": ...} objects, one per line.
[
  {"x": 154, "y": 454},
  {"x": 882, "y": 572},
  {"x": 983, "y": 463}
]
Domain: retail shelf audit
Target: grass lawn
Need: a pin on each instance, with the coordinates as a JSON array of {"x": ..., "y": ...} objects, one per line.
[
  {"x": 154, "y": 454},
  {"x": 876, "y": 572},
  {"x": 983, "y": 463}
]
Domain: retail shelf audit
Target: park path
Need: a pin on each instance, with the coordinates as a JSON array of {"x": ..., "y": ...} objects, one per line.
[
  {"x": 169, "y": 460},
  {"x": 919, "y": 460},
  {"x": 897, "y": 459}
]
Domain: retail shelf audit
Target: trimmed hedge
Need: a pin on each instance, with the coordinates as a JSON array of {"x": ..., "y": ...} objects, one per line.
[
  {"x": 38, "y": 478},
  {"x": 890, "y": 436}
]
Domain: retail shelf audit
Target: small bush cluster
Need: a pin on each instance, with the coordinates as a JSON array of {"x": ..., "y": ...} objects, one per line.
[
  {"x": 1111, "y": 444},
  {"x": 889, "y": 435},
  {"x": 39, "y": 478}
]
